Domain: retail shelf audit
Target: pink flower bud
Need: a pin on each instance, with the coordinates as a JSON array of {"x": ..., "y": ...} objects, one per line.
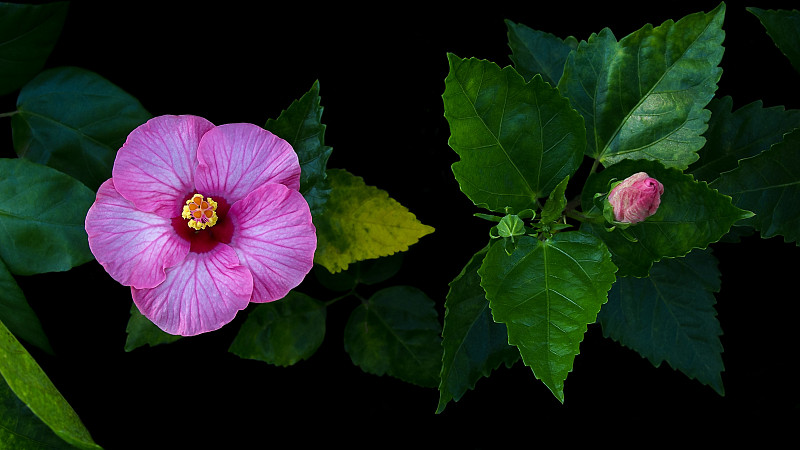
[{"x": 636, "y": 198}]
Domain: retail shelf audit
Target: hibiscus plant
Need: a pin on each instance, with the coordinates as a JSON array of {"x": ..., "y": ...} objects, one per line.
[
  {"x": 625, "y": 243},
  {"x": 605, "y": 169}
]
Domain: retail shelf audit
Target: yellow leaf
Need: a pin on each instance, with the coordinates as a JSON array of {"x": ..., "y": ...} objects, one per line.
[{"x": 362, "y": 222}]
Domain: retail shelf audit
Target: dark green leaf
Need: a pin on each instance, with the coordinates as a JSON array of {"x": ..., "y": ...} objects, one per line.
[
  {"x": 473, "y": 343},
  {"x": 547, "y": 293},
  {"x": 30, "y": 384},
  {"x": 42, "y": 213},
  {"x": 691, "y": 215},
  {"x": 536, "y": 52},
  {"x": 769, "y": 185},
  {"x": 141, "y": 331},
  {"x": 27, "y": 36},
  {"x": 396, "y": 332},
  {"x": 17, "y": 314},
  {"x": 744, "y": 133},
  {"x": 341, "y": 281},
  {"x": 74, "y": 120},
  {"x": 369, "y": 271},
  {"x": 784, "y": 29},
  {"x": 282, "y": 332},
  {"x": 670, "y": 316},
  {"x": 643, "y": 97},
  {"x": 20, "y": 429},
  {"x": 300, "y": 125},
  {"x": 516, "y": 140}
]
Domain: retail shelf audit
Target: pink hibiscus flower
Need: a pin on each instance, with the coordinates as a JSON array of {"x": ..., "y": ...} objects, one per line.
[
  {"x": 636, "y": 198},
  {"x": 200, "y": 220}
]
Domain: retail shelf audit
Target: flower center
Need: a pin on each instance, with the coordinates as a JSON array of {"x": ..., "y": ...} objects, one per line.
[{"x": 200, "y": 213}]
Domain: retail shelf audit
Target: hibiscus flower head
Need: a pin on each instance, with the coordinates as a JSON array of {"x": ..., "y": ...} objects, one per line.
[
  {"x": 636, "y": 198},
  {"x": 200, "y": 220}
]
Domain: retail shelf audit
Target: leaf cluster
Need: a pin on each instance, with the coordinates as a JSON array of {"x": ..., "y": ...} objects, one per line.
[{"x": 643, "y": 103}]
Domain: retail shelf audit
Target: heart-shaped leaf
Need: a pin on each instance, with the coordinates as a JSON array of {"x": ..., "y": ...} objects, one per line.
[
  {"x": 517, "y": 140},
  {"x": 397, "y": 332},
  {"x": 547, "y": 293}
]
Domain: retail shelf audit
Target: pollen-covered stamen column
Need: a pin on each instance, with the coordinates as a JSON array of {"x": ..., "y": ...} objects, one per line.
[{"x": 201, "y": 213}]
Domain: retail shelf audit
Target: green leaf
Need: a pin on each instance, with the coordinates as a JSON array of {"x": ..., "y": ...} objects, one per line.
[
  {"x": 643, "y": 97},
  {"x": 141, "y": 331},
  {"x": 556, "y": 203},
  {"x": 282, "y": 332},
  {"x": 74, "y": 120},
  {"x": 42, "y": 213},
  {"x": 30, "y": 384},
  {"x": 369, "y": 272},
  {"x": 396, "y": 332},
  {"x": 784, "y": 29},
  {"x": 20, "y": 429},
  {"x": 300, "y": 125},
  {"x": 516, "y": 140},
  {"x": 17, "y": 314},
  {"x": 547, "y": 293},
  {"x": 28, "y": 34},
  {"x": 536, "y": 52},
  {"x": 362, "y": 222},
  {"x": 691, "y": 215},
  {"x": 769, "y": 185},
  {"x": 744, "y": 133},
  {"x": 473, "y": 343},
  {"x": 670, "y": 316}
]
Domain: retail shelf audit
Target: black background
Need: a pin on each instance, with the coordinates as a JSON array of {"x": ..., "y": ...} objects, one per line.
[{"x": 381, "y": 69}]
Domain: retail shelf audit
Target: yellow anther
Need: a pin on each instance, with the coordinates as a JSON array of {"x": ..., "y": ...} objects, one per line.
[{"x": 200, "y": 213}]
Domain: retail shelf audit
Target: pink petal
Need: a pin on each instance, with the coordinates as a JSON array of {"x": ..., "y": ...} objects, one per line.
[
  {"x": 133, "y": 246},
  {"x": 237, "y": 158},
  {"x": 274, "y": 238},
  {"x": 155, "y": 167},
  {"x": 201, "y": 294}
]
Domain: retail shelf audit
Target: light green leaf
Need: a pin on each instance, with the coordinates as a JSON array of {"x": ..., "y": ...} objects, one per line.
[
  {"x": 362, "y": 222},
  {"x": 744, "y": 133},
  {"x": 42, "y": 213},
  {"x": 691, "y": 215},
  {"x": 74, "y": 120},
  {"x": 670, "y": 316},
  {"x": 536, "y": 52},
  {"x": 396, "y": 332},
  {"x": 769, "y": 185},
  {"x": 30, "y": 384},
  {"x": 516, "y": 140},
  {"x": 27, "y": 36},
  {"x": 282, "y": 332},
  {"x": 784, "y": 29},
  {"x": 547, "y": 293},
  {"x": 141, "y": 331},
  {"x": 556, "y": 203},
  {"x": 301, "y": 126},
  {"x": 472, "y": 342},
  {"x": 643, "y": 97},
  {"x": 17, "y": 314}
]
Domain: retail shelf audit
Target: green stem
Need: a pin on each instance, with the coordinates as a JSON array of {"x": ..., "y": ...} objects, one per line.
[
  {"x": 571, "y": 211},
  {"x": 579, "y": 216},
  {"x": 8, "y": 114},
  {"x": 348, "y": 294},
  {"x": 594, "y": 165}
]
